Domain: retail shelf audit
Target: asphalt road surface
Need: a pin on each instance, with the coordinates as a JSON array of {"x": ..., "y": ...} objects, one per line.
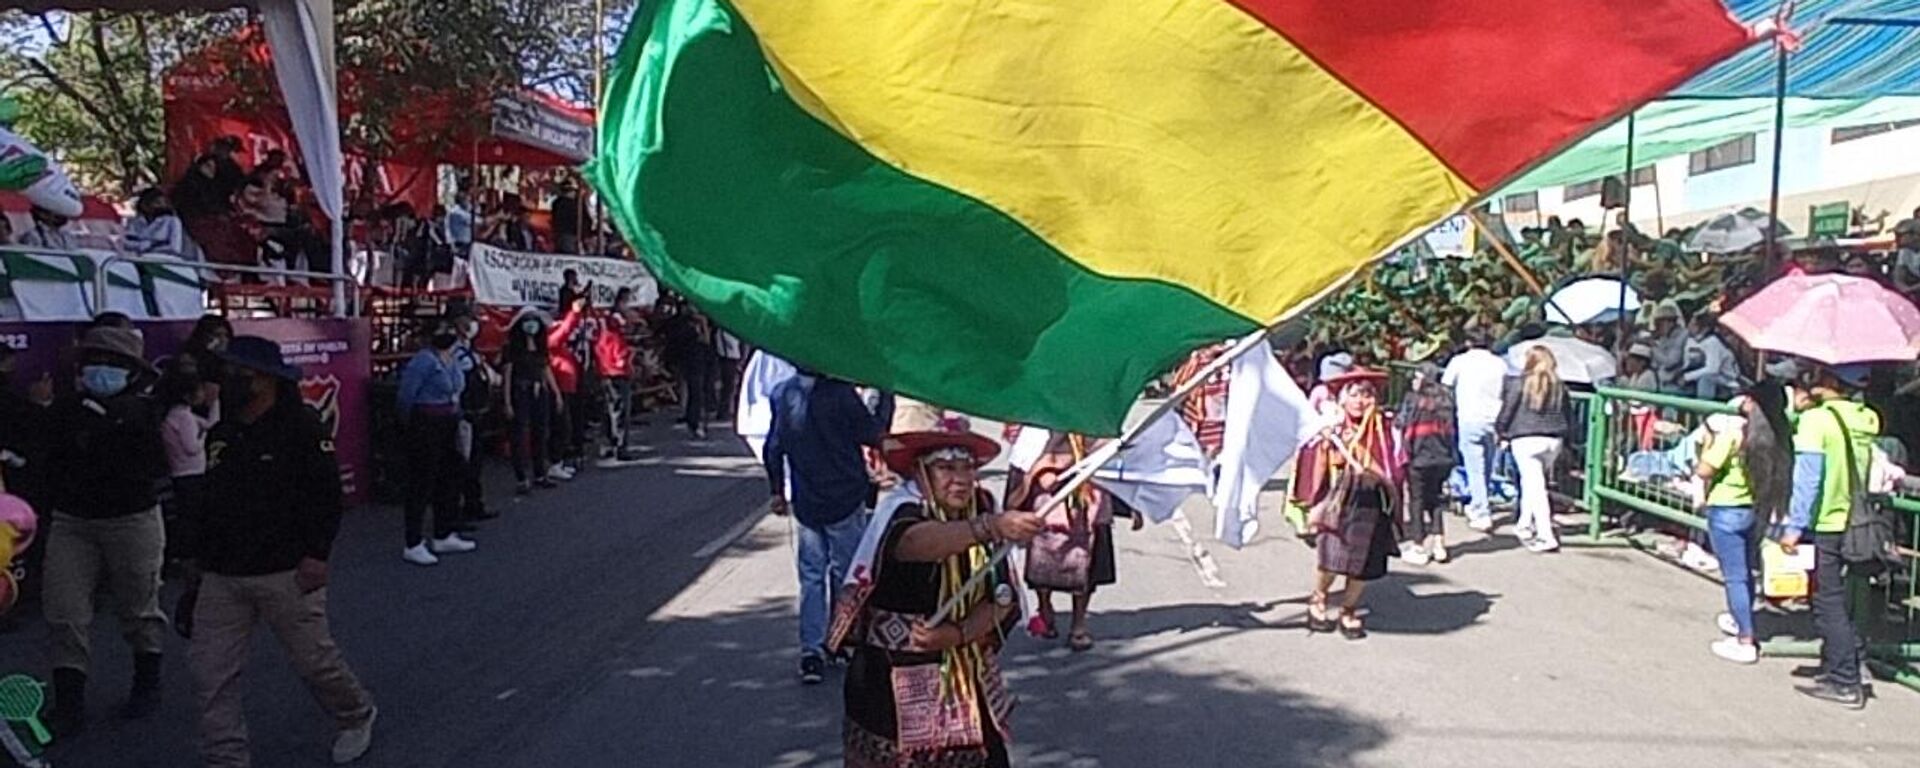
[{"x": 643, "y": 617}]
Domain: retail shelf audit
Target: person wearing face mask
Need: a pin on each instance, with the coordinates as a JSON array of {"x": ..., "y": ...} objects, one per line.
[
  {"x": 204, "y": 345},
  {"x": 532, "y": 398},
  {"x": 260, "y": 555},
  {"x": 429, "y": 407},
  {"x": 106, "y": 523}
]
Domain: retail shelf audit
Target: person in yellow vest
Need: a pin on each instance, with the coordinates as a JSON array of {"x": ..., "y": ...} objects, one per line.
[{"x": 1832, "y": 446}]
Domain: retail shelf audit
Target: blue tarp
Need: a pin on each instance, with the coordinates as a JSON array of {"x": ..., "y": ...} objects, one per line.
[{"x": 1851, "y": 49}]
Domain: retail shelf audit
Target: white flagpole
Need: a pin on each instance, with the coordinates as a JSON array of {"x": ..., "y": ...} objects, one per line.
[{"x": 1084, "y": 470}]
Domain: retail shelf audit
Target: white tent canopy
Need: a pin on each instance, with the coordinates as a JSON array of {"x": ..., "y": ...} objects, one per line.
[{"x": 300, "y": 34}]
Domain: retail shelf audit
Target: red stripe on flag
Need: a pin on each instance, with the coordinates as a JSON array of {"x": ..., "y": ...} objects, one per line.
[{"x": 1491, "y": 85}]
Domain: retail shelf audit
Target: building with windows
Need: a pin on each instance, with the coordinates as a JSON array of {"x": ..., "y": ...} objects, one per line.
[{"x": 1872, "y": 167}]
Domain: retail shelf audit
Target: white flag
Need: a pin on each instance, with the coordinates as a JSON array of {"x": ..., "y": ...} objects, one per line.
[
  {"x": 1268, "y": 417},
  {"x": 753, "y": 416},
  {"x": 1158, "y": 471}
]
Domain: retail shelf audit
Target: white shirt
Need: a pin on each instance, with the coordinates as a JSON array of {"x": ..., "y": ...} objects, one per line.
[
  {"x": 156, "y": 235},
  {"x": 1477, "y": 377}
]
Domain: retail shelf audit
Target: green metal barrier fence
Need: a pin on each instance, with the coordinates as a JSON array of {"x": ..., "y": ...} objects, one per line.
[
  {"x": 1637, "y": 456},
  {"x": 1639, "y": 449}
]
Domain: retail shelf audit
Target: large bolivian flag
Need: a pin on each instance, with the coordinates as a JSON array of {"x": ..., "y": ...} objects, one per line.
[{"x": 1026, "y": 209}]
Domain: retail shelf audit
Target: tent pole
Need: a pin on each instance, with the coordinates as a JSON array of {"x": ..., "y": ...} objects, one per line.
[
  {"x": 1779, "y": 143},
  {"x": 1626, "y": 247},
  {"x": 599, "y": 92}
]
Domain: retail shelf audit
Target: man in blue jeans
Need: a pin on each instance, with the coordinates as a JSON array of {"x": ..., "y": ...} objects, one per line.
[
  {"x": 819, "y": 426},
  {"x": 1477, "y": 377}
]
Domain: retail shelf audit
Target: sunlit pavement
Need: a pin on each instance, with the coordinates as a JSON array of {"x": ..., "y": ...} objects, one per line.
[{"x": 642, "y": 617}]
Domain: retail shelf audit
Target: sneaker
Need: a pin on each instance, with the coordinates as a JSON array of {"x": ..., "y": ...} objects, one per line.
[
  {"x": 1849, "y": 696},
  {"x": 1542, "y": 546},
  {"x": 1482, "y": 524},
  {"x": 1414, "y": 553},
  {"x": 1727, "y": 625},
  {"x": 545, "y": 484},
  {"x": 1699, "y": 559},
  {"x": 813, "y": 669},
  {"x": 559, "y": 472},
  {"x": 1439, "y": 553},
  {"x": 1524, "y": 533},
  {"x": 352, "y": 743},
  {"x": 418, "y": 555},
  {"x": 1809, "y": 672},
  {"x": 450, "y": 545},
  {"x": 1731, "y": 649}
]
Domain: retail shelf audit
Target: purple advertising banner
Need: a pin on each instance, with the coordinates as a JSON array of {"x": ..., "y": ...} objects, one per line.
[{"x": 334, "y": 356}]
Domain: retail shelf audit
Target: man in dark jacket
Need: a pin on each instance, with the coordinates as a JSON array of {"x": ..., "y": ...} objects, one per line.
[
  {"x": 106, "y": 464},
  {"x": 819, "y": 427},
  {"x": 273, "y": 509}
]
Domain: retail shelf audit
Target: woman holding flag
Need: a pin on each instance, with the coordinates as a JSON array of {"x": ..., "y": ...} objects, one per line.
[
  {"x": 919, "y": 693},
  {"x": 1348, "y": 479}
]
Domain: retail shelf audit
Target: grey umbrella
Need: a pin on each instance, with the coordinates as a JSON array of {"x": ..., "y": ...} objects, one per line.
[{"x": 1733, "y": 232}]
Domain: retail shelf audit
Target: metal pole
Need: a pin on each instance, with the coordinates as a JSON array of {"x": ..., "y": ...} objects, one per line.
[
  {"x": 1626, "y": 248},
  {"x": 599, "y": 94},
  {"x": 1779, "y": 142}
]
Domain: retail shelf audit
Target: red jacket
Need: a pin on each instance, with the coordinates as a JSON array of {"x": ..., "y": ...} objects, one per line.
[
  {"x": 610, "y": 349},
  {"x": 560, "y": 357}
]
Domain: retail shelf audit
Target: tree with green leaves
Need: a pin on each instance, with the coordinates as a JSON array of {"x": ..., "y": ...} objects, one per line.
[{"x": 89, "y": 83}]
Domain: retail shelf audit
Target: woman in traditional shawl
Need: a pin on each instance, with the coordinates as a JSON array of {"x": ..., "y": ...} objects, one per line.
[
  {"x": 922, "y": 694},
  {"x": 1348, "y": 477},
  {"x": 1074, "y": 554}
]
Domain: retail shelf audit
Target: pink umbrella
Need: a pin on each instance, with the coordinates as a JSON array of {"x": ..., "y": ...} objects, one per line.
[{"x": 1833, "y": 319}]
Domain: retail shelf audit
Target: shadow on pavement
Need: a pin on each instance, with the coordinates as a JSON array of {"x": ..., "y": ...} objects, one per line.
[
  {"x": 737, "y": 702},
  {"x": 463, "y": 657}
]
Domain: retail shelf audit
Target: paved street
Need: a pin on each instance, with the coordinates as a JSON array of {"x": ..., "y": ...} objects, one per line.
[{"x": 641, "y": 617}]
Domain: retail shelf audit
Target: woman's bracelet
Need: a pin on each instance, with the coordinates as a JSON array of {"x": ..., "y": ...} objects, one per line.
[{"x": 982, "y": 533}]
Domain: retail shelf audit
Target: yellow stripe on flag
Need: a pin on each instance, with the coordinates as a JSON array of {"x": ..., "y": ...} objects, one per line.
[{"x": 1117, "y": 131}]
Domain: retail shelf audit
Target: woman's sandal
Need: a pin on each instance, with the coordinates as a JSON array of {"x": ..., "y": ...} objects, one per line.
[
  {"x": 1317, "y": 619},
  {"x": 1357, "y": 630}
]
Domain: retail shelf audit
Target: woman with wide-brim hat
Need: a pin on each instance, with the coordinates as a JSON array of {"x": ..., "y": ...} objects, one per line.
[
  {"x": 1356, "y": 535},
  {"x": 917, "y": 693}
]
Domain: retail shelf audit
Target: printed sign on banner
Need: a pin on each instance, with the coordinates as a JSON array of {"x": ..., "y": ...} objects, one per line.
[
  {"x": 334, "y": 355},
  {"x": 1450, "y": 238},
  {"x": 517, "y": 278}
]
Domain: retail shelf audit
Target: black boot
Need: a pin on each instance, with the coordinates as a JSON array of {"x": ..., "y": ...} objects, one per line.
[
  {"x": 69, "y": 702},
  {"x": 144, "y": 700}
]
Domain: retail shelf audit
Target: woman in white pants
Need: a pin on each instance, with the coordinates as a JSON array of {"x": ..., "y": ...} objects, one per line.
[{"x": 1534, "y": 420}]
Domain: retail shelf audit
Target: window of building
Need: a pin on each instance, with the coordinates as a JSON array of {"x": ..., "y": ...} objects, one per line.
[
  {"x": 1583, "y": 189},
  {"x": 1731, "y": 154},
  {"x": 1852, "y": 132},
  {"x": 1527, "y": 203}
]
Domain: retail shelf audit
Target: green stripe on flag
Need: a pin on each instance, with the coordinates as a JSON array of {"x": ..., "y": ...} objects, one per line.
[{"x": 803, "y": 243}]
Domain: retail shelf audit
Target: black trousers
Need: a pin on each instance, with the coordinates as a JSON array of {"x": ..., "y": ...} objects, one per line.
[
  {"x": 532, "y": 421},
  {"x": 434, "y": 473},
  {"x": 1840, "y": 644},
  {"x": 473, "y": 501},
  {"x": 1426, "y": 507},
  {"x": 699, "y": 389},
  {"x": 728, "y": 385}
]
